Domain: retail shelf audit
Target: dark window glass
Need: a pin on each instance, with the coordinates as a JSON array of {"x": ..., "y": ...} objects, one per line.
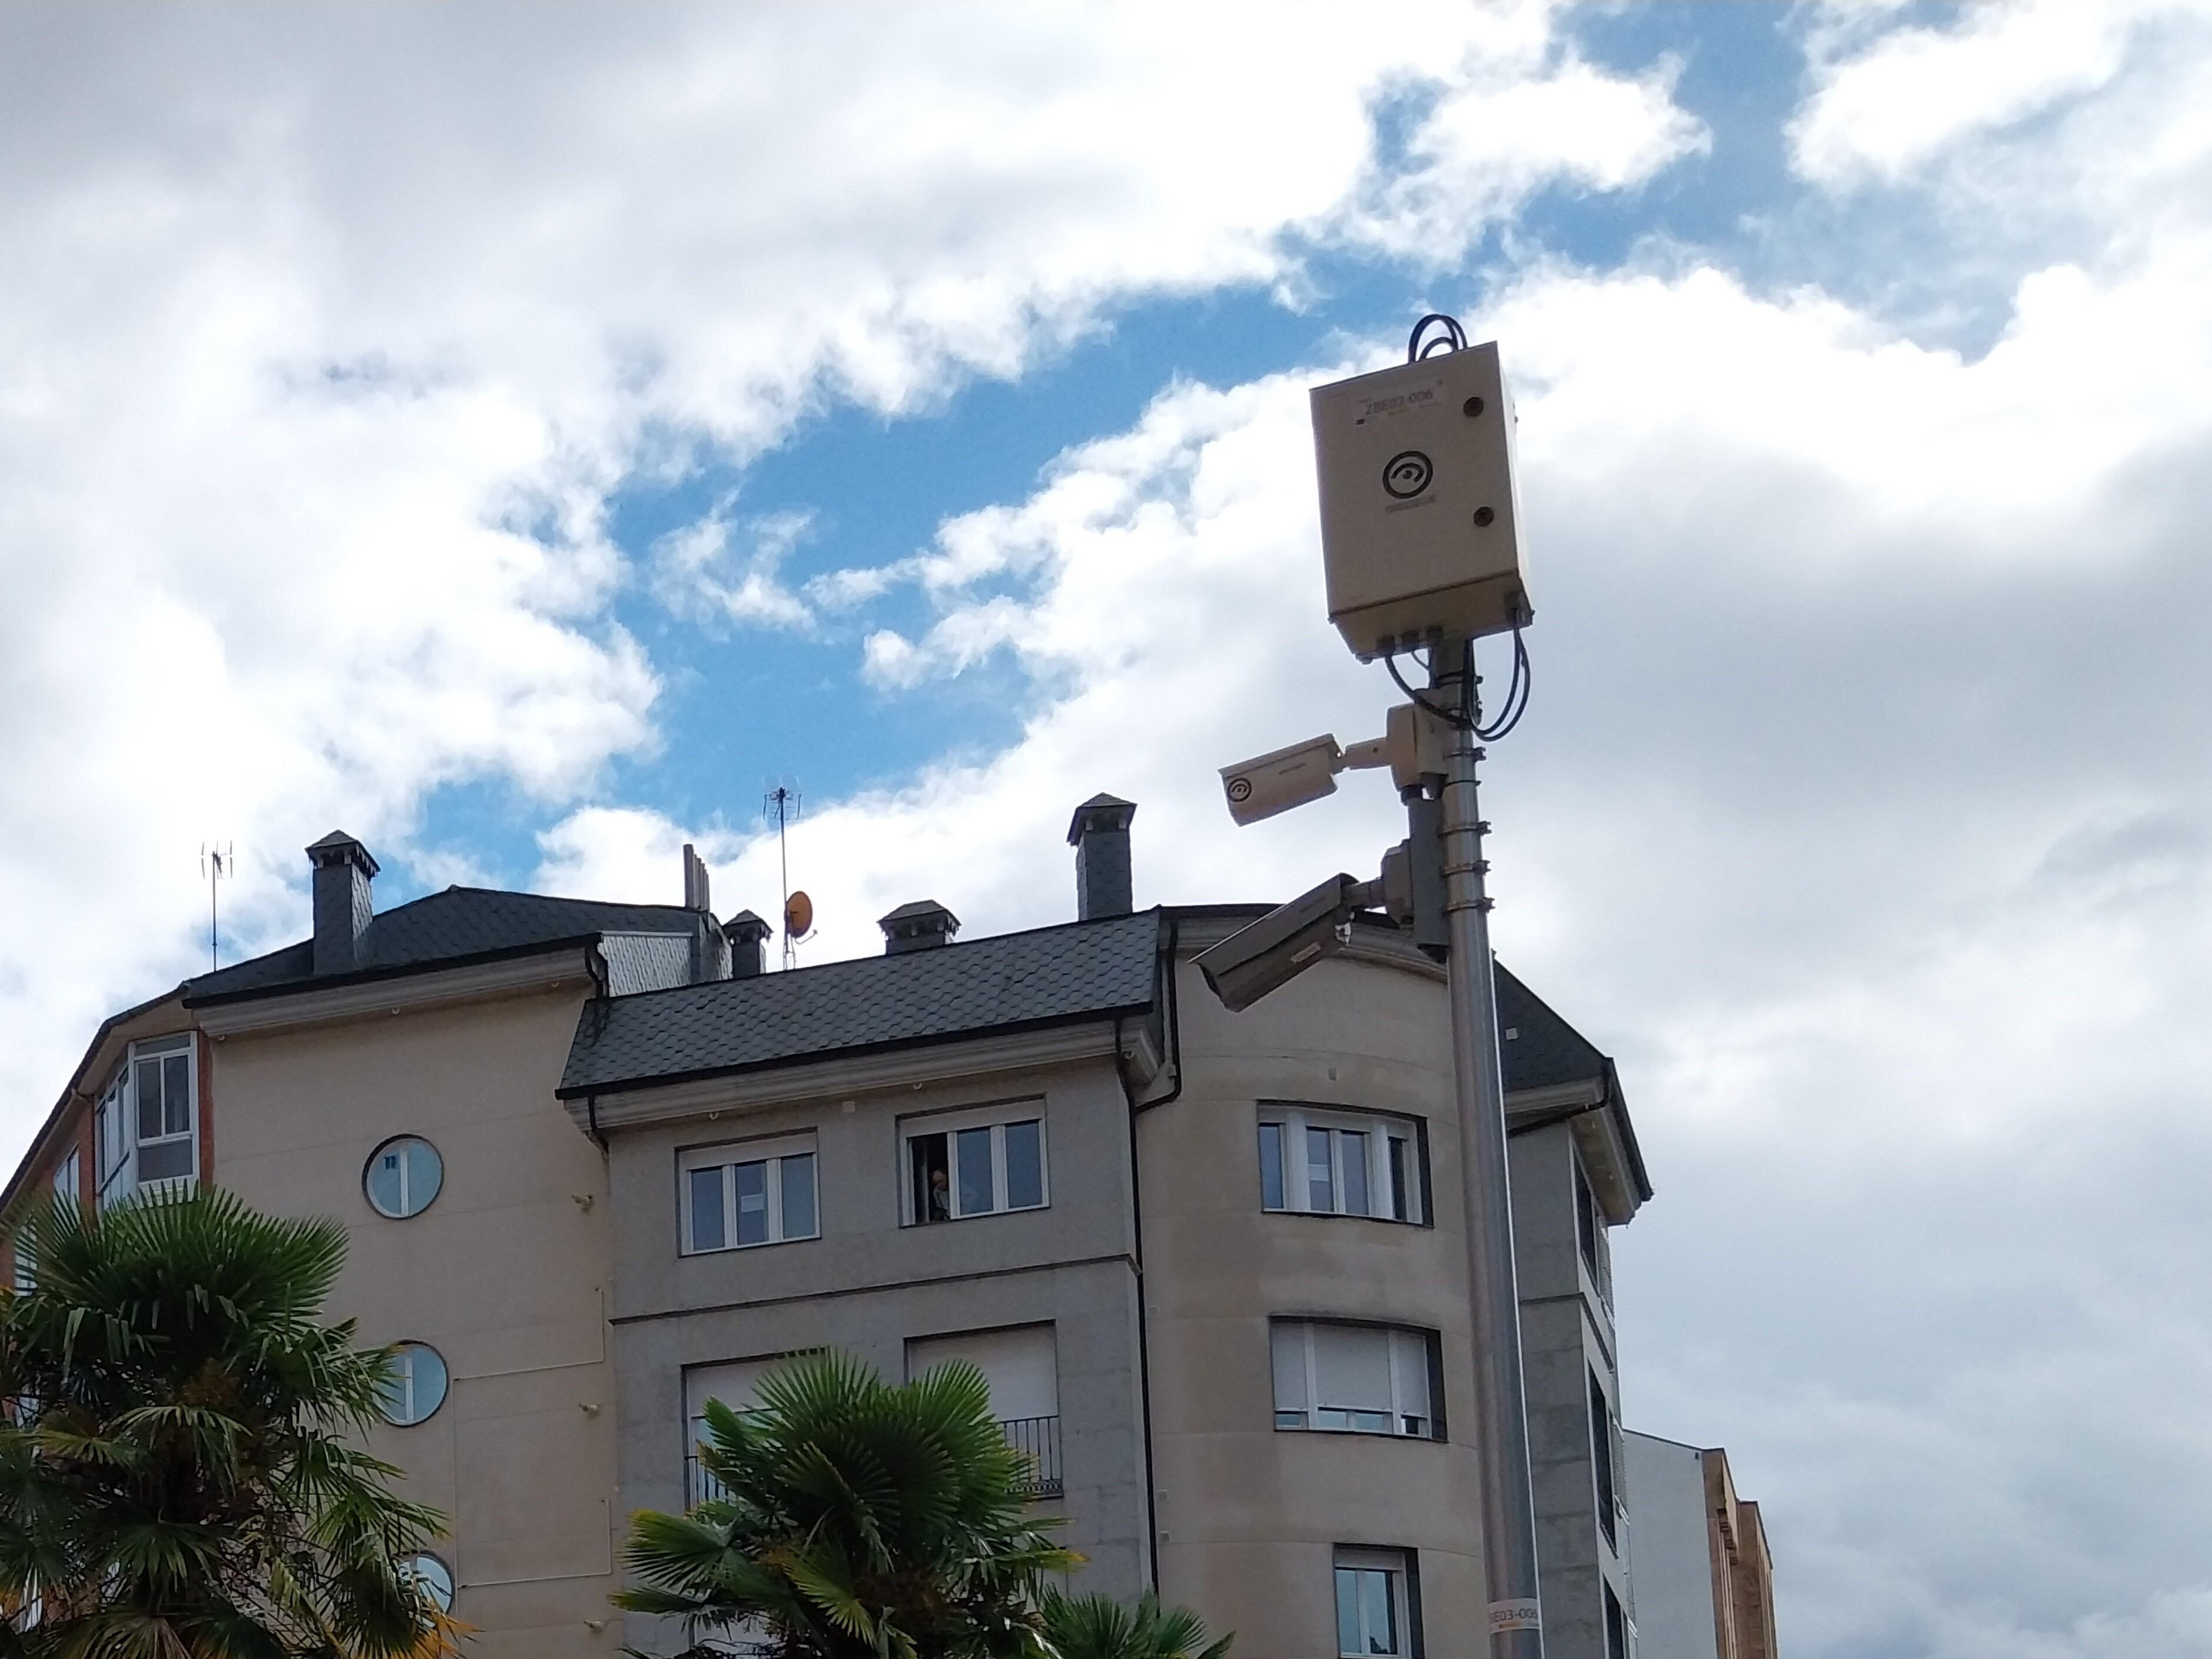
[
  {"x": 1602, "y": 1456},
  {"x": 798, "y": 1197},
  {"x": 165, "y": 1160},
  {"x": 1586, "y": 1221},
  {"x": 752, "y": 1202},
  {"x": 176, "y": 1094},
  {"x": 149, "y": 1100},
  {"x": 1354, "y": 1148},
  {"x": 1616, "y": 1627},
  {"x": 1321, "y": 1184},
  {"x": 1348, "y": 1612},
  {"x": 976, "y": 1184},
  {"x": 931, "y": 1175},
  {"x": 1401, "y": 1202},
  {"x": 1271, "y": 1166},
  {"x": 706, "y": 1208},
  {"x": 1024, "y": 1165}
]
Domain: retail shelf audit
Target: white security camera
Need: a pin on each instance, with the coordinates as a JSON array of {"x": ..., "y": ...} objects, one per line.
[
  {"x": 1282, "y": 944},
  {"x": 1288, "y": 778}
]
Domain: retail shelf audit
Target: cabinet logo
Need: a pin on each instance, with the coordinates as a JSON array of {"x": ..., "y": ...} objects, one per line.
[{"x": 1406, "y": 474}]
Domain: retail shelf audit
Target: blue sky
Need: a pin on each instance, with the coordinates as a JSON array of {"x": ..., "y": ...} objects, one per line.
[{"x": 518, "y": 447}]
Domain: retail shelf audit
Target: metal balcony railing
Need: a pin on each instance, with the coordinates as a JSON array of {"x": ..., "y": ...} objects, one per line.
[{"x": 1037, "y": 1439}]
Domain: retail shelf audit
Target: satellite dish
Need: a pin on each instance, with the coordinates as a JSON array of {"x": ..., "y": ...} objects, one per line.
[{"x": 798, "y": 916}]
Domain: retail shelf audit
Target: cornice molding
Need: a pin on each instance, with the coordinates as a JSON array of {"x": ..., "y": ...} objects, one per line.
[
  {"x": 478, "y": 982},
  {"x": 835, "y": 1078}
]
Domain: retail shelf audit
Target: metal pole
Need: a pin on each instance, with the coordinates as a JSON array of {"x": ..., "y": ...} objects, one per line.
[{"x": 1501, "y": 1408}]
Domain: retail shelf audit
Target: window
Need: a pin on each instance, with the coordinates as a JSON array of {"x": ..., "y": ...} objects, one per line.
[
  {"x": 753, "y": 1192},
  {"x": 1616, "y": 1627},
  {"x": 403, "y": 1176},
  {"x": 735, "y": 1384},
  {"x": 1375, "y": 1617},
  {"x": 1601, "y": 1437},
  {"x": 1356, "y": 1379},
  {"x": 146, "y": 1132},
  {"x": 1341, "y": 1163},
  {"x": 431, "y": 1578},
  {"x": 974, "y": 1164},
  {"x": 67, "y": 1179},
  {"x": 1589, "y": 1232},
  {"x": 416, "y": 1386},
  {"x": 1021, "y": 1368}
]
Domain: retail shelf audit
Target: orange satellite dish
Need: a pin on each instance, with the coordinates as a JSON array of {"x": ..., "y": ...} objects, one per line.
[{"x": 798, "y": 916}]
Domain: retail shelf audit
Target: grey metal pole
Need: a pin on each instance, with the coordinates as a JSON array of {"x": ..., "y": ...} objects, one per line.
[{"x": 1501, "y": 1407}]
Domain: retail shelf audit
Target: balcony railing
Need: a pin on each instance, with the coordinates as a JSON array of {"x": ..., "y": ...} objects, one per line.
[{"x": 1037, "y": 1439}]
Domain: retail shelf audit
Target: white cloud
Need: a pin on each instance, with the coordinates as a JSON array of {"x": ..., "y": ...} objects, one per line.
[
  {"x": 1862, "y": 811},
  {"x": 695, "y": 574},
  {"x": 1886, "y": 102},
  {"x": 326, "y": 338}
]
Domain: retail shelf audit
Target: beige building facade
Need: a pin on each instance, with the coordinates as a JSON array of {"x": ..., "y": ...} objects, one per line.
[{"x": 1211, "y": 1264}]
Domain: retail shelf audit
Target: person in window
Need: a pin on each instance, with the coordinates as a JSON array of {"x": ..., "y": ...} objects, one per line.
[{"x": 940, "y": 1194}]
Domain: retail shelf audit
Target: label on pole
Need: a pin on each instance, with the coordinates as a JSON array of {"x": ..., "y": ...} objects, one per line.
[{"x": 1522, "y": 1614}]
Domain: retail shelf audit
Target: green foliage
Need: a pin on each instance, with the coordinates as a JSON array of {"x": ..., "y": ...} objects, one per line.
[
  {"x": 862, "y": 1521},
  {"x": 1098, "y": 1627},
  {"x": 176, "y": 1477}
]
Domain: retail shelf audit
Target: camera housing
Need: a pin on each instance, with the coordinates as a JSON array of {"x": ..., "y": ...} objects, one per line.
[
  {"x": 1284, "y": 944},
  {"x": 1282, "y": 779}
]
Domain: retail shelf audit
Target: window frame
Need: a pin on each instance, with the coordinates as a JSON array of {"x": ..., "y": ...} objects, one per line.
[
  {"x": 1592, "y": 1242},
  {"x": 1431, "y": 1345},
  {"x": 410, "y": 1566},
  {"x": 408, "y": 1346},
  {"x": 950, "y": 1124},
  {"x": 1296, "y": 1121},
  {"x": 368, "y": 1169},
  {"x": 1401, "y": 1568},
  {"x": 1605, "y": 1461},
  {"x": 117, "y": 1140},
  {"x": 771, "y": 1151}
]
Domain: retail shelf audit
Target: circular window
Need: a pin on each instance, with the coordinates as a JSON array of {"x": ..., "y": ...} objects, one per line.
[
  {"x": 430, "y": 1578},
  {"x": 403, "y": 1176},
  {"x": 416, "y": 1387}
]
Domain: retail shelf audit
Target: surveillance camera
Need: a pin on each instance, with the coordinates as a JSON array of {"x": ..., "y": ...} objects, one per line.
[
  {"x": 1288, "y": 778},
  {"x": 1282, "y": 944}
]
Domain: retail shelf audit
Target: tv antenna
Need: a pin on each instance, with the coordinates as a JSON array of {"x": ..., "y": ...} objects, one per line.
[
  {"x": 782, "y": 803},
  {"x": 218, "y": 859}
]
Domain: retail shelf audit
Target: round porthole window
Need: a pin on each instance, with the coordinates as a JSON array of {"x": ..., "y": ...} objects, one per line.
[
  {"x": 429, "y": 1577},
  {"x": 416, "y": 1387},
  {"x": 403, "y": 1176}
]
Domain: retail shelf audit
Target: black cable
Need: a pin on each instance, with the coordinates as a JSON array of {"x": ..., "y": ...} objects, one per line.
[
  {"x": 1516, "y": 694},
  {"x": 1468, "y": 716},
  {"x": 1454, "y": 339}
]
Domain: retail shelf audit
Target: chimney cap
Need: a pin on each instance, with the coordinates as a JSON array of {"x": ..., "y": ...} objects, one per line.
[
  {"x": 745, "y": 928},
  {"x": 917, "y": 925},
  {"x": 338, "y": 848},
  {"x": 1100, "y": 812}
]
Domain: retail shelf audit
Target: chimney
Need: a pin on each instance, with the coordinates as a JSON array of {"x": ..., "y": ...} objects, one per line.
[
  {"x": 1100, "y": 835},
  {"x": 747, "y": 935},
  {"x": 917, "y": 926},
  {"x": 344, "y": 908},
  {"x": 694, "y": 880}
]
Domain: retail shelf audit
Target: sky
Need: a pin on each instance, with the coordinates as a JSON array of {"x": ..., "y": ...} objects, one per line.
[{"x": 524, "y": 446}]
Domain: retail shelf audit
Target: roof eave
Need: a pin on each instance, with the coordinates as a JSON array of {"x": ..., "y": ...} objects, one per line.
[{"x": 850, "y": 1051}]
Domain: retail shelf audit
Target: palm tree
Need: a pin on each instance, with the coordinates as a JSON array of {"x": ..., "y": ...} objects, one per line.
[
  {"x": 177, "y": 1473},
  {"x": 1099, "y": 1628},
  {"x": 860, "y": 1521}
]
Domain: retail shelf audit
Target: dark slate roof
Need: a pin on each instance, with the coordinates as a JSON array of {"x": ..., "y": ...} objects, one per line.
[
  {"x": 1544, "y": 1049},
  {"x": 1077, "y": 971},
  {"x": 458, "y": 924}
]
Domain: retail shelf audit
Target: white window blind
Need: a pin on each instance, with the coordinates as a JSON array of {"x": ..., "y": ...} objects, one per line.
[
  {"x": 1353, "y": 1379},
  {"x": 1020, "y": 1365}
]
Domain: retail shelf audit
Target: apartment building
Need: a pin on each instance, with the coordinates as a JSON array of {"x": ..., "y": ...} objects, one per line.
[
  {"x": 1704, "y": 1582},
  {"x": 598, "y": 1168}
]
